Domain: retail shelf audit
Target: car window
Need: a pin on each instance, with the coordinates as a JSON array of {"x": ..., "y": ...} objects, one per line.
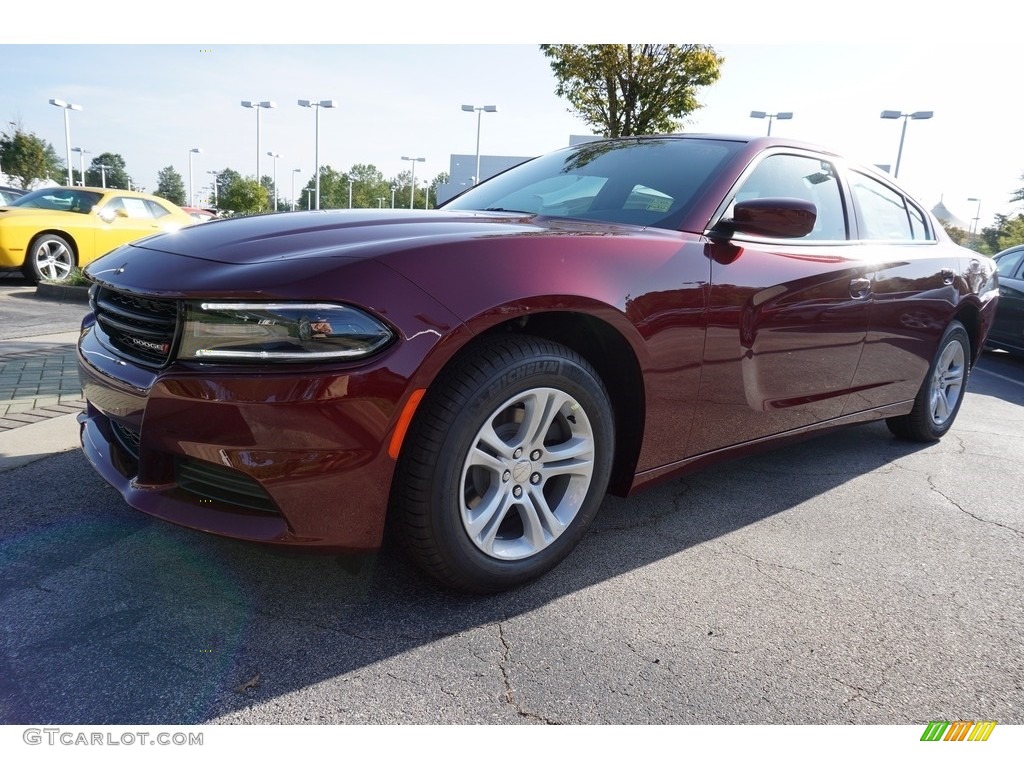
[
  {"x": 649, "y": 182},
  {"x": 59, "y": 199},
  {"x": 1007, "y": 264},
  {"x": 803, "y": 178},
  {"x": 156, "y": 210},
  {"x": 132, "y": 206},
  {"x": 885, "y": 213}
]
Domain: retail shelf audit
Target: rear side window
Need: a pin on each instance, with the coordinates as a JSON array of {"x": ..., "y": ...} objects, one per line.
[
  {"x": 1008, "y": 263},
  {"x": 886, "y": 214}
]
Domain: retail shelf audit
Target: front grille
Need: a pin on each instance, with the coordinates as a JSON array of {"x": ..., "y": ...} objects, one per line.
[
  {"x": 211, "y": 482},
  {"x": 128, "y": 438},
  {"x": 141, "y": 329}
]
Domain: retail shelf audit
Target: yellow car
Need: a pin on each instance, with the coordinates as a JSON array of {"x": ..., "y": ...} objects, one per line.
[{"x": 48, "y": 232}]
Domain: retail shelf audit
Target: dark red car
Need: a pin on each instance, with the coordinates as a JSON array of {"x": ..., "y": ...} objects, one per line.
[{"x": 597, "y": 319}]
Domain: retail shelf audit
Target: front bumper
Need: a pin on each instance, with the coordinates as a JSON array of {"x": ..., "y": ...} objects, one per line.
[{"x": 280, "y": 455}]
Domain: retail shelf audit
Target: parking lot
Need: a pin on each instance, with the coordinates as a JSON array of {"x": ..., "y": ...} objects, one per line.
[{"x": 850, "y": 579}]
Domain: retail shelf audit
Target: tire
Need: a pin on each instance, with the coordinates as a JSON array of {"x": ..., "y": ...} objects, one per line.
[
  {"x": 505, "y": 465},
  {"x": 938, "y": 401},
  {"x": 50, "y": 257}
]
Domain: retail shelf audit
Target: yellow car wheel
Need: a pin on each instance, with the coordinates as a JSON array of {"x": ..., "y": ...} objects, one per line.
[{"x": 49, "y": 258}]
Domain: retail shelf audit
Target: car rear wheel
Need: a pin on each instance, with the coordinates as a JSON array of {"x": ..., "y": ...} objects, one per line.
[
  {"x": 50, "y": 257},
  {"x": 938, "y": 401},
  {"x": 506, "y": 464}
]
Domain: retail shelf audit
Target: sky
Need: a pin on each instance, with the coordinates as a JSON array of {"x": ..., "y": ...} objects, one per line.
[{"x": 179, "y": 86}]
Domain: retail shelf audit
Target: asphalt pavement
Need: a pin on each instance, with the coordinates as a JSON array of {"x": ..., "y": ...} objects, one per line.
[{"x": 853, "y": 578}]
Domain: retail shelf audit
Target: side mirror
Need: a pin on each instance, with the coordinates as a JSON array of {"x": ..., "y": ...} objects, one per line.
[
  {"x": 109, "y": 214},
  {"x": 786, "y": 217}
]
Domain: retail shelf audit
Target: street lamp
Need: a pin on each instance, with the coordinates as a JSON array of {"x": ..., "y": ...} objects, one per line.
[
  {"x": 309, "y": 198},
  {"x": 412, "y": 183},
  {"x": 216, "y": 182},
  {"x": 67, "y": 129},
  {"x": 895, "y": 114},
  {"x": 479, "y": 113},
  {"x": 191, "y": 197},
  {"x": 776, "y": 115},
  {"x": 275, "y": 155},
  {"x": 350, "y": 193},
  {"x": 81, "y": 161},
  {"x": 326, "y": 104},
  {"x": 393, "y": 196},
  {"x": 103, "y": 174},
  {"x": 426, "y": 194},
  {"x": 977, "y": 220},
  {"x": 294, "y": 171},
  {"x": 258, "y": 105}
]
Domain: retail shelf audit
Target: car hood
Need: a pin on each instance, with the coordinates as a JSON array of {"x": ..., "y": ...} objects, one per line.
[{"x": 349, "y": 234}]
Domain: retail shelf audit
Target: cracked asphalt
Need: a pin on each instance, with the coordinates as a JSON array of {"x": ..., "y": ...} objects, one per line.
[{"x": 851, "y": 578}]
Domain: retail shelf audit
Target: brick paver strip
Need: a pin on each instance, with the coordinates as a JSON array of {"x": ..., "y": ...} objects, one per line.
[{"x": 38, "y": 384}]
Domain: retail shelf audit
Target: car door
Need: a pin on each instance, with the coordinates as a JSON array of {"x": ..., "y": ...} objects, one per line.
[
  {"x": 1008, "y": 328},
  {"x": 787, "y": 318},
  {"x": 123, "y": 219},
  {"x": 913, "y": 289}
]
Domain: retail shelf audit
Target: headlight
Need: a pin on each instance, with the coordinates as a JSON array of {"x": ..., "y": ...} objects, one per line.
[{"x": 279, "y": 332}]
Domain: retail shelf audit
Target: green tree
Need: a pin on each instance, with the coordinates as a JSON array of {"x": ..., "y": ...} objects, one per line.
[
  {"x": 109, "y": 167},
  {"x": 1018, "y": 194},
  {"x": 632, "y": 90},
  {"x": 1004, "y": 233},
  {"x": 27, "y": 159},
  {"x": 957, "y": 234},
  {"x": 170, "y": 185},
  {"x": 244, "y": 196}
]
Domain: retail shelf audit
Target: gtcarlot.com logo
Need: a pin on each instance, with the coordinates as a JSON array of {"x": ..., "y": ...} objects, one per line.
[{"x": 958, "y": 730}]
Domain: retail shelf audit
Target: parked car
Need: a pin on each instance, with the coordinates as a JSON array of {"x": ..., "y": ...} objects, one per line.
[
  {"x": 1008, "y": 329},
  {"x": 600, "y": 318},
  {"x": 200, "y": 214},
  {"x": 9, "y": 195},
  {"x": 48, "y": 232}
]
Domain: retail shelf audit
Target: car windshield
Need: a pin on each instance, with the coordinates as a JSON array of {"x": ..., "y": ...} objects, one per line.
[
  {"x": 59, "y": 199},
  {"x": 649, "y": 182}
]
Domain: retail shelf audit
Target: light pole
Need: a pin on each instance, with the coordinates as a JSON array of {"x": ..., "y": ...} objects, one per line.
[
  {"x": 393, "y": 196},
  {"x": 479, "y": 114},
  {"x": 216, "y": 182},
  {"x": 309, "y": 198},
  {"x": 777, "y": 116},
  {"x": 350, "y": 193},
  {"x": 81, "y": 162},
  {"x": 412, "y": 183},
  {"x": 326, "y": 104},
  {"x": 380, "y": 202},
  {"x": 103, "y": 174},
  {"x": 895, "y": 114},
  {"x": 67, "y": 129},
  {"x": 275, "y": 155},
  {"x": 258, "y": 105},
  {"x": 976, "y": 221},
  {"x": 294, "y": 171},
  {"x": 426, "y": 194},
  {"x": 191, "y": 197}
]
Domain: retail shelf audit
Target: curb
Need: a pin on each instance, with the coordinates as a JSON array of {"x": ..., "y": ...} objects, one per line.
[{"x": 54, "y": 292}]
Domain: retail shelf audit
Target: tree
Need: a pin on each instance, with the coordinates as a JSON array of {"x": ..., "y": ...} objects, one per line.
[
  {"x": 244, "y": 196},
  {"x": 632, "y": 90},
  {"x": 27, "y": 159},
  {"x": 1018, "y": 194},
  {"x": 1004, "y": 233},
  {"x": 114, "y": 173},
  {"x": 170, "y": 185},
  {"x": 957, "y": 234}
]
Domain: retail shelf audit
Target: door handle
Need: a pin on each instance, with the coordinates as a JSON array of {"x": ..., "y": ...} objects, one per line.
[
  {"x": 948, "y": 276},
  {"x": 859, "y": 287}
]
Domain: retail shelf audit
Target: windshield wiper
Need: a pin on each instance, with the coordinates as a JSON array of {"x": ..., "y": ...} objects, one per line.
[{"x": 510, "y": 210}]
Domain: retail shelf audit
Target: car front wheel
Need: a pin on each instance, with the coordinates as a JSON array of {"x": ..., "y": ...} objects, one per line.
[
  {"x": 938, "y": 401},
  {"x": 50, "y": 257},
  {"x": 506, "y": 464}
]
